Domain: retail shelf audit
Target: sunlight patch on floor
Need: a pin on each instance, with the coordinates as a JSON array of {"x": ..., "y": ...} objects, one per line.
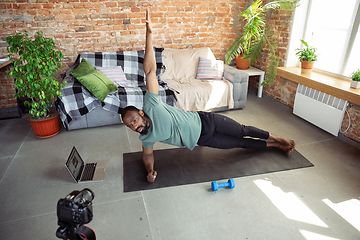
[
  {"x": 315, "y": 236},
  {"x": 289, "y": 204},
  {"x": 348, "y": 210}
]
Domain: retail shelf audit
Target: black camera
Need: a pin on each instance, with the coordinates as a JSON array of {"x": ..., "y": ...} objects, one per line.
[
  {"x": 76, "y": 208},
  {"x": 73, "y": 211}
]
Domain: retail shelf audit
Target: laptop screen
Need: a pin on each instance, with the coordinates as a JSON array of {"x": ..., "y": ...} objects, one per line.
[{"x": 74, "y": 164}]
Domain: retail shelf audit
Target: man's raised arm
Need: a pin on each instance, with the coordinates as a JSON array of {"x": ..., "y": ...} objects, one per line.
[{"x": 152, "y": 84}]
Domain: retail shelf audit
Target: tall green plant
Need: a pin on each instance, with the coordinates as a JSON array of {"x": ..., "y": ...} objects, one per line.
[
  {"x": 256, "y": 34},
  {"x": 34, "y": 63}
]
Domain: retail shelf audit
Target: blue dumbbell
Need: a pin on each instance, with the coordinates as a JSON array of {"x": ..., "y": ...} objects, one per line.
[{"x": 215, "y": 186}]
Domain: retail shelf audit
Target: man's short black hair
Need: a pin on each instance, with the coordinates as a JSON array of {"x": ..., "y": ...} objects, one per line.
[{"x": 126, "y": 109}]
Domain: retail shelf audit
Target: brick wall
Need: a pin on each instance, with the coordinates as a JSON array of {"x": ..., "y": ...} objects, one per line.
[
  {"x": 99, "y": 25},
  {"x": 96, "y": 25},
  {"x": 7, "y": 89},
  {"x": 353, "y": 131}
]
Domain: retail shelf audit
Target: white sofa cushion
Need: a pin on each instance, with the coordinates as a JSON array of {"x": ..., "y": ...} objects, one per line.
[
  {"x": 181, "y": 64},
  {"x": 194, "y": 94}
]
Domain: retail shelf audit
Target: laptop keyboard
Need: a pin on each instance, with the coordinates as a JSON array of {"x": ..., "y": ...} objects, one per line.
[{"x": 89, "y": 171}]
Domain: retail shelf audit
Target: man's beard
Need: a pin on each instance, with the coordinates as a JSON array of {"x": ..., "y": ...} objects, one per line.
[{"x": 145, "y": 129}]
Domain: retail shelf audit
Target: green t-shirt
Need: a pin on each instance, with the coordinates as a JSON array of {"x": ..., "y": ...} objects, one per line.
[{"x": 169, "y": 124}]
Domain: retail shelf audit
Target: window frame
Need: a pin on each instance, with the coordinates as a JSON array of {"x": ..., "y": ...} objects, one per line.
[{"x": 298, "y": 31}]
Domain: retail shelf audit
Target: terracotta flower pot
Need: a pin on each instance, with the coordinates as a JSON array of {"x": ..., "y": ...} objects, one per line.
[
  {"x": 45, "y": 128},
  {"x": 306, "y": 65},
  {"x": 241, "y": 63}
]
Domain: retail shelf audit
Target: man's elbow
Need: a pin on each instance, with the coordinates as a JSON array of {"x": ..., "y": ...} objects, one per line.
[
  {"x": 147, "y": 155},
  {"x": 149, "y": 70}
]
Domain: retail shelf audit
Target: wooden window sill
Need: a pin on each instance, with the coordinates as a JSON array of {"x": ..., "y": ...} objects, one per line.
[{"x": 331, "y": 85}]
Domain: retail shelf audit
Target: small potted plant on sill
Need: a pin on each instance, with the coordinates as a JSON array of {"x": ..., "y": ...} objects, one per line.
[
  {"x": 307, "y": 56},
  {"x": 256, "y": 34},
  {"x": 34, "y": 61},
  {"x": 355, "y": 79}
]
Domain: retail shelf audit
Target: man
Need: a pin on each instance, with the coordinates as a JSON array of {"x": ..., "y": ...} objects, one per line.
[{"x": 159, "y": 122}]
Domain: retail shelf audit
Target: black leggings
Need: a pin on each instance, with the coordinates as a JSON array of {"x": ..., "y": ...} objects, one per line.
[{"x": 219, "y": 131}]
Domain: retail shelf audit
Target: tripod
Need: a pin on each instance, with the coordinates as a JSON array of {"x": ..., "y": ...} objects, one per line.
[{"x": 69, "y": 232}]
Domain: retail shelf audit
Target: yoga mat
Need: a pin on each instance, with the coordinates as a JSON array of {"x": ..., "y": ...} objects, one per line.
[{"x": 180, "y": 166}]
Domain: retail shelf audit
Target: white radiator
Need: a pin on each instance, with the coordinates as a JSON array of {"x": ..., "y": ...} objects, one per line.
[{"x": 321, "y": 109}]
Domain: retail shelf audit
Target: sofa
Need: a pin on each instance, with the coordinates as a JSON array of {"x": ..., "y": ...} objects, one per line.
[{"x": 190, "y": 79}]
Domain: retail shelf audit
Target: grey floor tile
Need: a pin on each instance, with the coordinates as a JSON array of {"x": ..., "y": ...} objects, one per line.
[
  {"x": 11, "y": 139},
  {"x": 4, "y": 164},
  {"x": 31, "y": 227},
  {"x": 121, "y": 219}
]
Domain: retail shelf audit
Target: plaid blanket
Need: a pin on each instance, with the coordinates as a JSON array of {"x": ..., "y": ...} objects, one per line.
[{"x": 77, "y": 101}]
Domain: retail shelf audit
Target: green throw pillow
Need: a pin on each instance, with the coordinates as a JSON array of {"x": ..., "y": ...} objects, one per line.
[
  {"x": 84, "y": 68},
  {"x": 98, "y": 84}
]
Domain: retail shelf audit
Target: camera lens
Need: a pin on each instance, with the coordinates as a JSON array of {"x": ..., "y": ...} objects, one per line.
[
  {"x": 88, "y": 195},
  {"x": 84, "y": 197}
]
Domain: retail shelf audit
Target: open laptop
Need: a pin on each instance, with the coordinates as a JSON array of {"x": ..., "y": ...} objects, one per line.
[{"x": 81, "y": 172}]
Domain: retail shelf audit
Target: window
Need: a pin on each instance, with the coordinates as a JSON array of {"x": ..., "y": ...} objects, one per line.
[{"x": 333, "y": 28}]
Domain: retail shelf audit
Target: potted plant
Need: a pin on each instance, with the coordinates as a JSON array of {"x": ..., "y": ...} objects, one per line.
[
  {"x": 307, "y": 56},
  {"x": 34, "y": 61},
  {"x": 355, "y": 79},
  {"x": 256, "y": 34}
]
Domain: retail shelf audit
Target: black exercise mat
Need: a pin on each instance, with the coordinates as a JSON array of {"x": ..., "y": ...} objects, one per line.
[{"x": 180, "y": 166}]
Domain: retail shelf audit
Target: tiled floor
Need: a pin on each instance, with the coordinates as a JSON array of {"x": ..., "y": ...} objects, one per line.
[{"x": 321, "y": 202}]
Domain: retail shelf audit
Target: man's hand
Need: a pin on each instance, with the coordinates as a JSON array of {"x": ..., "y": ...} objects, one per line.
[
  {"x": 148, "y": 21},
  {"x": 151, "y": 176},
  {"x": 149, "y": 64},
  {"x": 148, "y": 160}
]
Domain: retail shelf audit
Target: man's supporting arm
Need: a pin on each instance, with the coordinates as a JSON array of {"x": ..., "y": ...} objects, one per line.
[
  {"x": 152, "y": 84},
  {"x": 148, "y": 160}
]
